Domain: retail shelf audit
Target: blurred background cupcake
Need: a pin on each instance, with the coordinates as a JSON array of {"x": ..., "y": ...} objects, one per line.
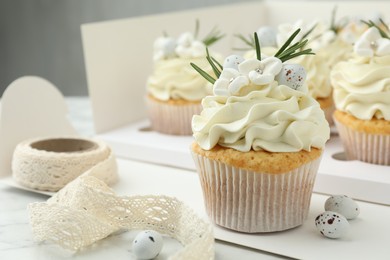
[
  {"x": 258, "y": 144},
  {"x": 362, "y": 97},
  {"x": 175, "y": 89}
]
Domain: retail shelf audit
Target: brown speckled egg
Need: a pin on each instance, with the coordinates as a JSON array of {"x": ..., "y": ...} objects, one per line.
[
  {"x": 344, "y": 205},
  {"x": 331, "y": 224}
]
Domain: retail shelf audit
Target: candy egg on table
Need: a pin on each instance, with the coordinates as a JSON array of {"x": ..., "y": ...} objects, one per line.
[
  {"x": 147, "y": 244},
  {"x": 344, "y": 205},
  {"x": 292, "y": 75},
  {"x": 331, "y": 224},
  {"x": 232, "y": 61}
]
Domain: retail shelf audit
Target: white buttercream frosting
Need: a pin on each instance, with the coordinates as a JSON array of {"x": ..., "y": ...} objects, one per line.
[
  {"x": 362, "y": 87},
  {"x": 175, "y": 79},
  {"x": 272, "y": 117}
]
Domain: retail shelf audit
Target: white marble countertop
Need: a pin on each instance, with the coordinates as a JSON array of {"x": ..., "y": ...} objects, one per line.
[{"x": 16, "y": 238}]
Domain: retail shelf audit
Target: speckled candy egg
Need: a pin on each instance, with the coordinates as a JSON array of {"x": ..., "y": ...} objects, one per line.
[
  {"x": 292, "y": 75},
  {"x": 267, "y": 36},
  {"x": 233, "y": 61},
  {"x": 147, "y": 244},
  {"x": 332, "y": 224},
  {"x": 344, "y": 205}
]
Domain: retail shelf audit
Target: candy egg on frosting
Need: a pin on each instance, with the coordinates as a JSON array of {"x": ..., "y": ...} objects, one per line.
[
  {"x": 332, "y": 224},
  {"x": 147, "y": 244},
  {"x": 232, "y": 61},
  {"x": 344, "y": 205},
  {"x": 267, "y": 36},
  {"x": 292, "y": 75}
]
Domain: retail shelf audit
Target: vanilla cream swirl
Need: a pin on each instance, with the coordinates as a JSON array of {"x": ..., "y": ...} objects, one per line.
[
  {"x": 362, "y": 87},
  {"x": 175, "y": 79},
  {"x": 317, "y": 78},
  {"x": 274, "y": 118}
]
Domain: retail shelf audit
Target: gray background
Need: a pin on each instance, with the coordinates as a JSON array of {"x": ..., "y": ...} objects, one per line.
[{"x": 42, "y": 37}]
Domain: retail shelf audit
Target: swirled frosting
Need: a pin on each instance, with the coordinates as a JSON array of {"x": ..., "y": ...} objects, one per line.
[
  {"x": 362, "y": 87},
  {"x": 275, "y": 118},
  {"x": 317, "y": 79},
  {"x": 175, "y": 79},
  {"x": 336, "y": 51}
]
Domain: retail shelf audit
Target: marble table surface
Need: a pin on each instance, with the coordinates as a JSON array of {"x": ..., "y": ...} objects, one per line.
[{"x": 16, "y": 239}]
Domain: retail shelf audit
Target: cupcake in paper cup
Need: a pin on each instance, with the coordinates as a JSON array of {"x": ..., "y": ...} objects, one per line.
[
  {"x": 175, "y": 90},
  {"x": 362, "y": 97},
  {"x": 258, "y": 142}
]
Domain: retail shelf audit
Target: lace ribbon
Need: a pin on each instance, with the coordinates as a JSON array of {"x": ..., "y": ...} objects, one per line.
[{"x": 87, "y": 210}]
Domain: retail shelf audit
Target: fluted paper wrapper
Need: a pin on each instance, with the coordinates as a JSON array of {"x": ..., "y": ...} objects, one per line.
[
  {"x": 328, "y": 111},
  {"x": 172, "y": 119},
  {"x": 253, "y": 202},
  {"x": 370, "y": 148}
]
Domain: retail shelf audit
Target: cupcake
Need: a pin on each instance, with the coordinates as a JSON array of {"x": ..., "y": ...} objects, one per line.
[
  {"x": 175, "y": 90},
  {"x": 362, "y": 97},
  {"x": 258, "y": 143}
]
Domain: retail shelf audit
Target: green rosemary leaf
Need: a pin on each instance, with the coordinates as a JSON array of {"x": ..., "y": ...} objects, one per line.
[
  {"x": 287, "y": 43},
  {"x": 203, "y": 73},
  {"x": 304, "y": 52},
  {"x": 212, "y": 64},
  {"x": 333, "y": 25},
  {"x": 292, "y": 49},
  {"x": 165, "y": 34},
  {"x": 196, "y": 33},
  {"x": 384, "y": 24},
  {"x": 216, "y": 62},
  {"x": 212, "y": 40},
  {"x": 309, "y": 31},
  {"x": 257, "y": 44},
  {"x": 248, "y": 41}
]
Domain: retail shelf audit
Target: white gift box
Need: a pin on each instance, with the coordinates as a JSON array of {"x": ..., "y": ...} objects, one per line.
[{"x": 118, "y": 57}]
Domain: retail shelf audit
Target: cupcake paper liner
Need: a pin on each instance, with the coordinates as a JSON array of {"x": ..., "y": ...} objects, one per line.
[
  {"x": 172, "y": 119},
  {"x": 370, "y": 148},
  {"x": 329, "y": 114},
  {"x": 253, "y": 202}
]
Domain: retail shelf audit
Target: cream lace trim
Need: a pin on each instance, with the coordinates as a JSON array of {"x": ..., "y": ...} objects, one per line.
[{"x": 87, "y": 210}]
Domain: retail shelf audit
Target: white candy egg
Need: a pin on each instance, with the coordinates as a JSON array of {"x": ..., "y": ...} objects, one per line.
[
  {"x": 332, "y": 224},
  {"x": 147, "y": 244},
  {"x": 267, "y": 36},
  {"x": 292, "y": 75},
  {"x": 233, "y": 61},
  {"x": 344, "y": 205}
]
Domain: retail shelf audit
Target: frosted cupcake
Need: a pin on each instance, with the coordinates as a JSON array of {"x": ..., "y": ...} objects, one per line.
[
  {"x": 258, "y": 144},
  {"x": 174, "y": 89},
  {"x": 362, "y": 97}
]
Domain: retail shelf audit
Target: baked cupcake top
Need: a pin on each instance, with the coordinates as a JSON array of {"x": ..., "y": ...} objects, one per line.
[
  {"x": 261, "y": 104},
  {"x": 173, "y": 77},
  {"x": 362, "y": 84}
]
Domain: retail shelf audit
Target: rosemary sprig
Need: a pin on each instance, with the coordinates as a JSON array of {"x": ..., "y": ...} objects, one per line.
[
  {"x": 212, "y": 64},
  {"x": 257, "y": 45},
  {"x": 286, "y": 52},
  {"x": 203, "y": 73},
  {"x": 215, "y": 65},
  {"x": 196, "y": 32},
  {"x": 309, "y": 32},
  {"x": 248, "y": 41},
  {"x": 381, "y": 31},
  {"x": 213, "y": 36},
  {"x": 287, "y": 43}
]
